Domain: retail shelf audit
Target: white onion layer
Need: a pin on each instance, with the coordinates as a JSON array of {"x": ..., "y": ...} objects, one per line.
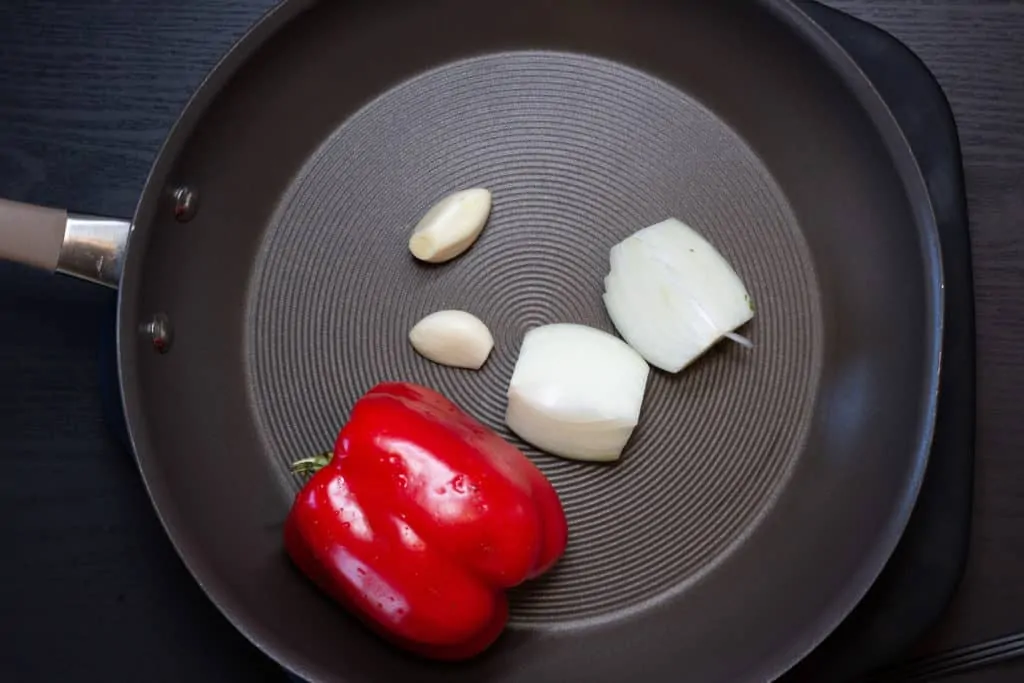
[
  {"x": 672, "y": 295},
  {"x": 576, "y": 392}
]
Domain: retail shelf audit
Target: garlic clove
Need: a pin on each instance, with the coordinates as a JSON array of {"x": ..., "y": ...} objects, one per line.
[
  {"x": 451, "y": 226},
  {"x": 454, "y": 338}
]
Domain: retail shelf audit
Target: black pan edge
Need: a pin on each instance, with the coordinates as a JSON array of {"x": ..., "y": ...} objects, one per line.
[
  {"x": 155, "y": 196},
  {"x": 916, "y": 189}
]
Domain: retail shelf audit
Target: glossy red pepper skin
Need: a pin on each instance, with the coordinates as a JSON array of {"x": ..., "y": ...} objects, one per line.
[{"x": 421, "y": 520}]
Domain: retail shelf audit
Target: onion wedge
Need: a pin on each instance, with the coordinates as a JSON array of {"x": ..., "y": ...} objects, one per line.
[
  {"x": 672, "y": 296},
  {"x": 576, "y": 392}
]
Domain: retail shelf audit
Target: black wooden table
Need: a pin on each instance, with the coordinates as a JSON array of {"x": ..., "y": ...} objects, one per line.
[{"x": 88, "y": 90}]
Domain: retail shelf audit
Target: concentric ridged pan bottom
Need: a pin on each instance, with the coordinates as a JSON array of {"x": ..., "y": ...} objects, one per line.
[{"x": 579, "y": 153}]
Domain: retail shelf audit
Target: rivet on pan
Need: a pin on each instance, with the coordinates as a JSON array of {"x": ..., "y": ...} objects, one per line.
[
  {"x": 186, "y": 203},
  {"x": 159, "y": 332}
]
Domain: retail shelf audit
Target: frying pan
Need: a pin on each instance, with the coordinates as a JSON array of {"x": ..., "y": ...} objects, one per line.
[{"x": 265, "y": 285}]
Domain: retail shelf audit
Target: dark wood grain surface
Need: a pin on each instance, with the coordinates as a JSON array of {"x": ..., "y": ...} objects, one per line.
[{"x": 89, "y": 88}]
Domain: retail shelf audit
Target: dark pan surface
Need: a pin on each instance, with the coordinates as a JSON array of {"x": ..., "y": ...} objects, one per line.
[
  {"x": 764, "y": 489},
  {"x": 579, "y": 153}
]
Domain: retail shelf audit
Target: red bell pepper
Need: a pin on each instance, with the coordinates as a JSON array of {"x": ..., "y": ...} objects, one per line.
[{"x": 419, "y": 521}]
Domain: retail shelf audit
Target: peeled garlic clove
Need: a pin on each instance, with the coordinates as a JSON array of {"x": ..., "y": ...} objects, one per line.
[
  {"x": 576, "y": 392},
  {"x": 672, "y": 296},
  {"x": 451, "y": 226},
  {"x": 453, "y": 338}
]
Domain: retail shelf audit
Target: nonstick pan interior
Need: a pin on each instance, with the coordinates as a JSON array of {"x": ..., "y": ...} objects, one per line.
[{"x": 763, "y": 490}]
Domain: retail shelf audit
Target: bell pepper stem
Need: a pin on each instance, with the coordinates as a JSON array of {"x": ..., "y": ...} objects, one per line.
[{"x": 311, "y": 465}]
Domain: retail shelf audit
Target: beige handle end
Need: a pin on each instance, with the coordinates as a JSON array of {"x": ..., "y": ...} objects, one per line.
[{"x": 31, "y": 234}]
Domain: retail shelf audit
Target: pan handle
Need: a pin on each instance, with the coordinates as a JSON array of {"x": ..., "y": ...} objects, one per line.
[{"x": 86, "y": 247}]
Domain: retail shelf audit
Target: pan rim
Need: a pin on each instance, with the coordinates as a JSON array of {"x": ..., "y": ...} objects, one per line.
[{"x": 914, "y": 187}]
